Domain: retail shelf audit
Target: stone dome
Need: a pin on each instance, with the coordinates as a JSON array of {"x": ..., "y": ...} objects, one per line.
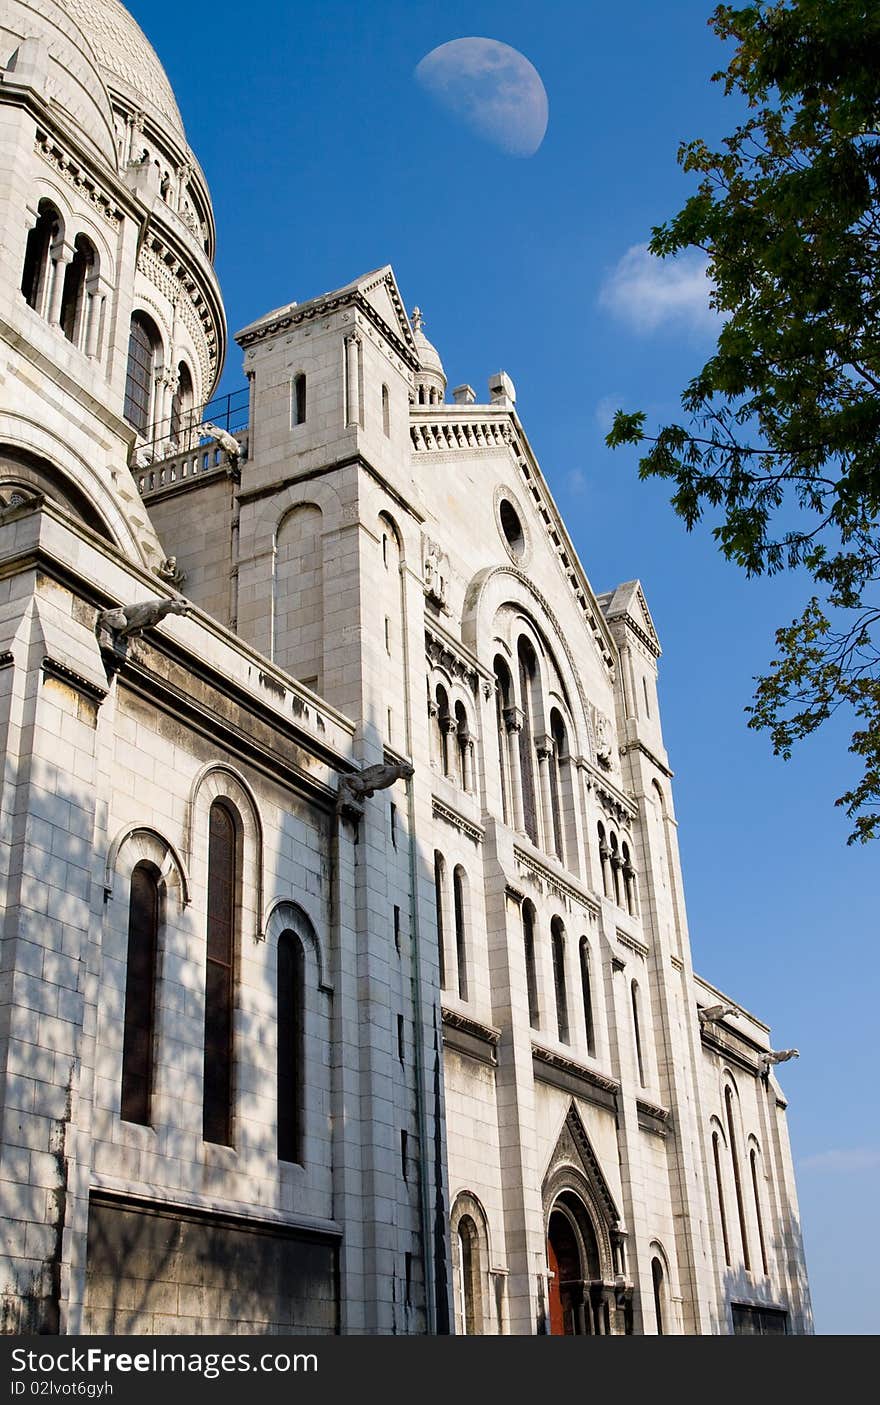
[
  {"x": 432, "y": 376},
  {"x": 129, "y": 63}
]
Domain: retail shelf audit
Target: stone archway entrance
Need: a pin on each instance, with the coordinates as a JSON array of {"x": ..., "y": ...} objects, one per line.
[{"x": 567, "y": 1282}]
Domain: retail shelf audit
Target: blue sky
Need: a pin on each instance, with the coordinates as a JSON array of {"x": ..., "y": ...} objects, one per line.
[{"x": 326, "y": 159}]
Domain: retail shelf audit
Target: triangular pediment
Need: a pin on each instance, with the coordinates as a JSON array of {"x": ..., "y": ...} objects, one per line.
[
  {"x": 382, "y": 293},
  {"x": 627, "y": 603},
  {"x": 574, "y": 1149}
]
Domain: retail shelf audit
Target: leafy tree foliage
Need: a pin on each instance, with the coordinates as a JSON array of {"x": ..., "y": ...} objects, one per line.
[{"x": 782, "y": 440}]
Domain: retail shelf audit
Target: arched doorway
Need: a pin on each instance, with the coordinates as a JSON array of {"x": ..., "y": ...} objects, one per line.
[{"x": 567, "y": 1280}]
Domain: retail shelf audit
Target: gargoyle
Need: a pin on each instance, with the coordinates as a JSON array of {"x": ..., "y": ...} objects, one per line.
[
  {"x": 714, "y": 1014},
  {"x": 354, "y": 790},
  {"x": 228, "y": 442},
  {"x": 126, "y": 621},
  {"x": 777, "y": 1056}
]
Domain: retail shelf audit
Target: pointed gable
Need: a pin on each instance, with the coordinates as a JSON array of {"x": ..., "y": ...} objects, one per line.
[{"x": 627, "y": 605}]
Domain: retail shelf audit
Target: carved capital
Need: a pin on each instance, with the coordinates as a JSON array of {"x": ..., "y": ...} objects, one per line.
[
  {"x": 545, "y": 747},
  {"x": 514, "y": 719}
]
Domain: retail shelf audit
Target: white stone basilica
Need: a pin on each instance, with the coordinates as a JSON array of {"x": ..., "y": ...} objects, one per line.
[{"x": 345, "y": 979}]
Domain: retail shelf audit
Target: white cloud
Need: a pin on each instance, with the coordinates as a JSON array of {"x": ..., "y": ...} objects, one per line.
[
  {"x": 576, "y": 482},
  {"x": 648, "y": 293},
  {"x": 851, "y": 1159},
  {"x": 606, "y": 408}
]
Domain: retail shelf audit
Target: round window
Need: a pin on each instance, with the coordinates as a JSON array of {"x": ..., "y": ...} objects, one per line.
[{"x": 512, "y": 528}]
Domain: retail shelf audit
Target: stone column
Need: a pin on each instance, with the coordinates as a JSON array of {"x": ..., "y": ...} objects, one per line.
[
  {"x": 449, "y": 728},
  {"x": 513, "y": 721},
  {"x": 545, "y": 748},
  {"x": 352, "y": 379},
  {"x": 59, "y": 262}
]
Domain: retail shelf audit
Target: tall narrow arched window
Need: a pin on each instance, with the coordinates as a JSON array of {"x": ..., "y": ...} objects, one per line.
[
  {"x": 386, "y": 412},
  {"x": 719, "y": 1187},
  {"x": 291, "y": 1047},
  {"x": 615, "y": 862},
  {"x": 469, "y": 1276},
  {"x": 447, "y": 724},
  {"x": 74, "y": 296},
  {"x": 587, "y": 993},
  {"x": 140, "y": 375},
  {"x": 528, "y": 921},
  {"x": 637, "y": 1030},
  {"x": 140, "y": 995},
  {"x": 628, "y": 874},
  {"x": 557, "y": 760},
  {"x": 657, "y": 1278},
  {"x": 459, "y": 884},
  {"x": 37, "y": 268},
  {"x": 298, "y": 406},
  {"x": 741, "y": 1209},
  {"x": 182, "y": 403},
  {"x": 557, "y": 941},
  {"x": 223, "y": 866},
  {"x": 503, "y": 703},
  {"x": 464, "y": 743},
  {"x": 439, "y": 880},
  {"x": 753, "y": 1159},
  {"x": 604, "y": 858},
  {"x": 528, "y": 674}
]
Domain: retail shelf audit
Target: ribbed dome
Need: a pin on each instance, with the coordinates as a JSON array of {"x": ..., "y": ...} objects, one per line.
[
  {"x": 127, "y": 58},
  {"x": 432, "y": 377}
]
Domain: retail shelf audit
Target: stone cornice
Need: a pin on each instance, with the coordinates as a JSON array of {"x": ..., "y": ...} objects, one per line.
[
  {"x": 713, "y": 1037},
  {"x": 651, "y": 756},
  {"x": 297, "y": 314},
  {"x": 566, "y": 1073},
  {"x": 542, "y": 875},
  {"x": 641, "y": 948},
  {"x": 52, "y": 668},
  {"x": 652, "y": 1118},
  {"x": 468, "y": 1036},
  {"x": 442, "y": 811},
  {"x": 444, "y": 650}
]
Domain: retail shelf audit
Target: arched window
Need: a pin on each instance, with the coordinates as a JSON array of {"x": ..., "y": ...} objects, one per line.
[
  {"x": 299, "y": 400},
  {"x": 615, "y": 869},
  {"x": 459, "y": 882},
  {"x": 464, "y": 744},
  {"x": 587, "y": 992},
  {"x": 528, "y": 920},
  {"x": 447, "y": 724},
  {"x": 182, "y": 403},
  {"x": 469, "y": 1276},
  {"x": 140, "y": 376},
  {"x": 741, "y": 1209},
  {"x": 140, "y": 995},
  {"x": 659, "y": 1293},
  {"x": 503, "y": 703},
  {"x": 637, "y": 1032},
  {"x": 604, "y": 857},
  {"x": 291, "y": 1047},
  {"x": 223, "y": 869},
  {"x": 719, "y": 1186},
  {"x": 528, "y": 677},
  {"x": 557, "y": 940},
  {"x": 629, "y": 880},
  {"x": 753, "y": 1159},
  {"x": 557, "y": 759},
  {"x": 74, "y": 296},
  {"x": 386, "y": 412},
  {"x": 439, "y": 880},
  {"x": 35, "y": 276}
]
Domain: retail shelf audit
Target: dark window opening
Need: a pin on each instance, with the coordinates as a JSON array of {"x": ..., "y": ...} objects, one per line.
[
  {"x": 291, "y": 1046},
  {"x": 637, "y": 1032},
  {"x": 222, "y": 883},
  {"x": 512, "y": 528},
  {"x": 528, "y": 917},
  {"x": 140, "y": 996},
  {"x": 741, "y": 1209},
  {"x": 299, "y": 399},
  {"x": 458, "y": 882},
  {"x": 657, "y": 1278},
  {"x": 37, "y": 256},
  {"x": 587, "y": 993},
  {"x": 558, "y": 948},
  {"x": 140, "y": 374},
  {"x": 719, "y": 1186}
]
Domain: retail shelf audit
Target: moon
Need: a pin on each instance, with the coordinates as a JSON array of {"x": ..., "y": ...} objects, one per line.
[{"x": 490, "y": 87}]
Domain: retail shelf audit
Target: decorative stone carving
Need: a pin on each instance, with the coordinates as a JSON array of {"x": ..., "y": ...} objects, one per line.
[
  {"x": 170, "y": 571},
  {"x": 128, "y": 621},
  {"x": 435, "y": 571},
  {"x": 355, "y": 790},
  {"x": 603, "y": 736}
]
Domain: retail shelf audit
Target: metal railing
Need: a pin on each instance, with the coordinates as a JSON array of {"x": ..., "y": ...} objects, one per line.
[{"x": 187, "y": 430}]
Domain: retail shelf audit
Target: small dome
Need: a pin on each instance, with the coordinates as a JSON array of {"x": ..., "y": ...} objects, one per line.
[
  {"x": 431, "y": 380},
  {"x": 129, "y": 63}
]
